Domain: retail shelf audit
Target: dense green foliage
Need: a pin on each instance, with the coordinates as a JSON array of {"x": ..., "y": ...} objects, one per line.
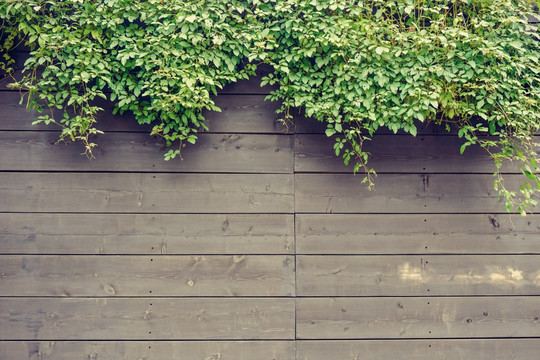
[{"x": 356, "y": 65}]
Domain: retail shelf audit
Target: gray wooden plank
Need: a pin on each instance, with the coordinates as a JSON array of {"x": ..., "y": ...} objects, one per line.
[
  {"x": 146, "y": 318},
  {"x": 398, "y": 154},
  {"x": 163, "y": 275},
  {"x": 146, "y": 193},
  {"x": 416, "y": 234},
  {"x": 40, "y": 151},
  {"x": 432, "y": 317},
  {"x": 239, "y": 113},
  {"x": 480, "y": 349},
  {"x": 35, "y": 233},
  {"x": 400, "y": 193},
  {"x": 246, "y": 113},
  {"x": 148, "y": 350},
  {"x": 413, "y": 275}
]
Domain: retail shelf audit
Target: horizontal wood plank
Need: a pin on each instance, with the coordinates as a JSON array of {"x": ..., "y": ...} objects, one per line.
[
  {"x": 400, "y": 193},
  {"x": 239, "y": 114},
  {"x": 40, "y": 151},
  {"x": 36, "y": 233},
  {"x": 149, "y": 350},
  {"x": 398, "y": 154},
  {"x": 360, "y": 275},
  {"x": 146, "y": 319},
  {"x": 146, "y": 193},
  {"x": 479, "y": 349},
  {"x": 432, "y": 317},
  {"x": 416, "y": 234},
  {"x": 245, "y": 113},
  {"x": 104, "y": 276}
]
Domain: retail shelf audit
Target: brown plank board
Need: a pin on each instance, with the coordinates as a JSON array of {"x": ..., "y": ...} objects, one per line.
[
  {"x": 146, "y": 193},
  {"x": 398, "y": 154},
  {"x": 163, "y": 275},
  {"x": 479, "y": 349},
  {"x": 416, "y": 234},
  {"x": 239, "y": 114},
  {"x": 36, "y": 233},
  {"x": 40, "y": 151},
  {"x": 434, "y": 317},
  {"x": 400, "y": 193},
  {"x": 148, "y": 350},
  {"x": 146, "y": 319},
  {"x": 413, "y": 275}
]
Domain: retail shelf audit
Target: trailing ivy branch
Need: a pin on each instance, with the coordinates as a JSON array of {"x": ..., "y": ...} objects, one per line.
[{"x": 357, "y": 66}]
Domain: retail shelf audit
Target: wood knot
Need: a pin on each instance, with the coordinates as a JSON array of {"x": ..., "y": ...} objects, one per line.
[{"x": 109, "y": 289}]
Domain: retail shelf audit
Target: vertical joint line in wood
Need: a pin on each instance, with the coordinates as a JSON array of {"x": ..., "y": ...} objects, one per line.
[{"x": 295, "y": 244}]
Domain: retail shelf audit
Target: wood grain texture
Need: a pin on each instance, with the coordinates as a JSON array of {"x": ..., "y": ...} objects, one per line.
[
  {"x": 359, "y": 275},
  {"x": 148, "y": 350},
  {"x": 398, "y": 154},
  {"x": 146, "y": 193},
  {"x": 40, "y": 151},
  {"x": 35, "y": 233},
  {"x": 104, "y": 276},
  {"x": 401, "y": 193},
  {"x": 239, "y": 114},
  {"x": 416, "y": 234},
  {"x": 432, "y": 317},
  {"x": 479, "y": 349},
  {"x": 146, "y": 319}
]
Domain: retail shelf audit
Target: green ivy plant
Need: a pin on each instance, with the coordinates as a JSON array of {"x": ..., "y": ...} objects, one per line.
[{"x": 358, "y": 66}]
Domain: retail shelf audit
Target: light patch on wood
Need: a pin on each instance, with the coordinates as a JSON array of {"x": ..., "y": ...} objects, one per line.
[
  {"x": 512, "y": 275},
  {"x": 410, "y": 273}
]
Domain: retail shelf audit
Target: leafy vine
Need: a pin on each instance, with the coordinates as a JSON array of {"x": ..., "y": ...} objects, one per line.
[{"x": 357, "y": 66}]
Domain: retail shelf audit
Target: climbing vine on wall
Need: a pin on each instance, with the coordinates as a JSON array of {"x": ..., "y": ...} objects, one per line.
[{"x": 472, "y": 65}]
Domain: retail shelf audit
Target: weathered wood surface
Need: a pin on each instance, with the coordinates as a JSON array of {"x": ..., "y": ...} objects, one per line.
[
  {"x": 35, "y": 233},
  {"x": 484, "y": 349},
  {"x": 398, "y": 154},
  {"x": 413, "y": 275},
  {"x": 400, "y": 193},
  {"x": 416, "y": 234},
  {"x": 409, "y": 317},
  {"x": 40, "y": 151},
  {"x": 146, "y": 193},
  {"x": 148, "y": 350},
  {"x": 163, "y": 275},
  {"x": 239, "y": 114},
  {"x": 146, "y": 319}
]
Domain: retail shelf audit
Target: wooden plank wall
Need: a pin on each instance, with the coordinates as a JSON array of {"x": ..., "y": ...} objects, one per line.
[{"x": 259, "y": 244}]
